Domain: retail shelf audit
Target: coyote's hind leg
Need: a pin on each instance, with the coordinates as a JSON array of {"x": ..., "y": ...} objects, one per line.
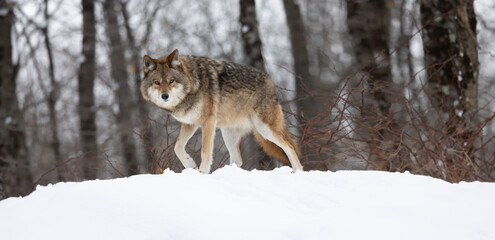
[
  {"x": 276, "y": 132},
  {"x": 232, "y": 138}
]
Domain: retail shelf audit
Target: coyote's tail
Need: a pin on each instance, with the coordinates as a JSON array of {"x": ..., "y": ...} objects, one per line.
[{"x": 275, "y": 151}]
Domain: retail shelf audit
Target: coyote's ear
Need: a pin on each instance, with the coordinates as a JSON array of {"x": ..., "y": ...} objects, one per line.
[
  {"x": 148, "y": 64},
  {"x": 173, "y": 59}
]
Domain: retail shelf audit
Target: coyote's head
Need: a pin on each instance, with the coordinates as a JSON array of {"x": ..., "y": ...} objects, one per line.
[{"x": 164, "y": 83}]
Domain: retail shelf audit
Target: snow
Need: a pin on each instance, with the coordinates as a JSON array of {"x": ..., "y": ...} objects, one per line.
[
  {"x": 236, "y": 204},
  {"x": 244, "y": 28},
  {"x": 4, "y": 12},
  {"x": 8, "y": 120}
]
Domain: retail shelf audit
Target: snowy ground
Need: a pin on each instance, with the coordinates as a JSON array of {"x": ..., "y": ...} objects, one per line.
[{"x": 235, "y": 204}]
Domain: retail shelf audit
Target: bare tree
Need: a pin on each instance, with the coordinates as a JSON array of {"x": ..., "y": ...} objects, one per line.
[
  {"x": 253, "y": 54},
  {"x": 369, "y": 23},
  {"x": 451, "y": 59},
  {"x": 52, "y": 97},
  {"x": 15, "y": 175},
  {"x": 250, "y": 34},
  {"x": 308, "y": 105},
  {"x": 405, "y": 58},
  {"x": 120, "y": 76},
  {"x": 135, "y": 62},
  {"x": 86, "y": 78}
]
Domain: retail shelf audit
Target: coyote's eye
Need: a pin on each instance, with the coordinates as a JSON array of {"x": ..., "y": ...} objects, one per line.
[
  {"x": 156, "y": 82},
  {"x": 172, "y": 81}
]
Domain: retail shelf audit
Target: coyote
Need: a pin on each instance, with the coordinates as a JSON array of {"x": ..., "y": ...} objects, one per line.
[{"x": 209, "y": 93}]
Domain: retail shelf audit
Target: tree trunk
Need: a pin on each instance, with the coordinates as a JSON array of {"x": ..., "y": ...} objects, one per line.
[
  {"x": 253, "y": 56},
  {"x": 52, "y": 100},
  {"x": 369, "y": 23},
  {"x": 405, "y": 61},
  {"x": 300, "y": 55},
  {"x": 451, "y": 60},
  {"x": 308, "y": 106},
  {"x": 86, "y": 78},
  {"x": 250, "y": 35},
  {"x": 120, "y": 76},
  {"x": 15, "y": 174},
  {"x": 143, "y": 119}
]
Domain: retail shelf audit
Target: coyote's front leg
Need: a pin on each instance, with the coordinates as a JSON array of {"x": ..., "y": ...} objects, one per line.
[
  {"x": 186, "y": 132},
  {"x": 208, "y": 135}
]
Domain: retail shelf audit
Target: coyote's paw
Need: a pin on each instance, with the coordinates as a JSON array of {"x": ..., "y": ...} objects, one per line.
[
  {"x": 205, "y": 169},
  {"x": 236, "y": 164},
  {"x": 294, "y": 170},
  {"x": 188, "y": 162},
  {"x": 191, "y": 163}
]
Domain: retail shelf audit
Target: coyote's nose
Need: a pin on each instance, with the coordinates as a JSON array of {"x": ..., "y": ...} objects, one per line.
[{"x": 165, "y": 96}]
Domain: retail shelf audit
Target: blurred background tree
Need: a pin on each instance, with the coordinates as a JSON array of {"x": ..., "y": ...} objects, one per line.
[
  {"x": 86, "y": 79},
  {"x": 15, "y": 174}
]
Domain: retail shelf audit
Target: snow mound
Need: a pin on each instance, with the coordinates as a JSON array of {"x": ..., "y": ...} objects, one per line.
[{"x": 235, "y": 204}]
